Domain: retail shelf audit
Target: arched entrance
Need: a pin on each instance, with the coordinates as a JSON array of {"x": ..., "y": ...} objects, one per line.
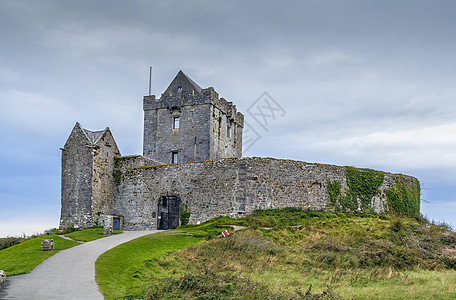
[{"x": 168, "y": 212}]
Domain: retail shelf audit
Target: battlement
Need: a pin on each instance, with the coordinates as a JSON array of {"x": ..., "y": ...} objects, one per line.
[{"x": 175, "y": 101}]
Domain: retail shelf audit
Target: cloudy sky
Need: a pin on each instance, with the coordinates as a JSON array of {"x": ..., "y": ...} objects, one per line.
[{"x": 361, "y": 83}]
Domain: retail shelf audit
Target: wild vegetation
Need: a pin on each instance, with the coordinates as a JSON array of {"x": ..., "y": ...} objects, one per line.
[
  {"x": 10, "y": 241},
  {"x": 292, "y": 254}
]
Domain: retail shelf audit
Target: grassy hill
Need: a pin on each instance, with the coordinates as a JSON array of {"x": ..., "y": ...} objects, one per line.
[{"x": 290, "y": 254}]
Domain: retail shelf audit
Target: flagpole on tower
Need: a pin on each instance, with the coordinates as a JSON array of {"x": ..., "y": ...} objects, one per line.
[{"x": 150, "y": 81}]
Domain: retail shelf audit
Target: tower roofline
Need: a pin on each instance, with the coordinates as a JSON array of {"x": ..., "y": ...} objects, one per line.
[{"x": 182, "y": 83}]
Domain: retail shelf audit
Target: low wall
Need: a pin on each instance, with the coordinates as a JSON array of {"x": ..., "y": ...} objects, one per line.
[{"x": 237, "y": 186}]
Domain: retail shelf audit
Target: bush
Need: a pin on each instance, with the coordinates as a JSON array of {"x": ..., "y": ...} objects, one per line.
[
  {"x": 184, "y": 214},
  {"x": 10, "y": 241}
]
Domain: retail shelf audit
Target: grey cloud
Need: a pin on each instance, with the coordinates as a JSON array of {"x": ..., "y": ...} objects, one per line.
[{"x": 343, "y": 70}]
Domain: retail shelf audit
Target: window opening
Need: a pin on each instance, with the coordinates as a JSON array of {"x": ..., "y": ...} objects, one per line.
[
  {"x": 176, "y": 122},
  {"x": 174, "y": 157},
  {"x": 228, "y": 130}
]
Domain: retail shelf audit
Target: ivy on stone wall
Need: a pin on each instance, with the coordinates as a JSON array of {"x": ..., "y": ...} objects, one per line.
[
  {"x": 117, "y": 175},
  {"x": 333, "y": 191},
  {"x": 220, "y": 124},
  {"x": 348, "y": 203},
  {"x": 184, "y": 214},
  {"x": 363, "y": 184},
  {"x": 403, "y": 200}
]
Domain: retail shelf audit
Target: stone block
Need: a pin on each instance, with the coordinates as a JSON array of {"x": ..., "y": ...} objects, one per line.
[
  {"x": 107, "y": 230},
  {"x": 47, "y": 245},
  {"x": 2, "y": 277}
]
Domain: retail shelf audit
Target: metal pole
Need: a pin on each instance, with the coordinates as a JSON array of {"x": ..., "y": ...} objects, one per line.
[{"x": 150, "y": 81}]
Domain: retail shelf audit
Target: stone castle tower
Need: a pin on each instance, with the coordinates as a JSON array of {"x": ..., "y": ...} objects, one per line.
[
  {"x": 188, "y": 124},
  {"x": 87, "y": 177}
]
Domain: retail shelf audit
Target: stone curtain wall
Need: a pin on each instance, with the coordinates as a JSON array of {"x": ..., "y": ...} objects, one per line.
[
  {"x": 131, "y": 197},
  {"x": 232, "y": 187}
]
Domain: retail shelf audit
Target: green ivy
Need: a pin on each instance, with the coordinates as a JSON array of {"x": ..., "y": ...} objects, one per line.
[
  {"x": 403, "y": 200},
  {"x": 184, "y": 214},
  {"x": 220, "y": 125},
  {"x": 333, "y": 191},
  {"x": 117, "y": 174},
  {"x": 348, "y": 203},
  {"x": 363, "y": 184}
]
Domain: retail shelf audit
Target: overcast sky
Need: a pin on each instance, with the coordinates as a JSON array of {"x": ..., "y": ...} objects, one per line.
[{"x": 361, "y": 83}]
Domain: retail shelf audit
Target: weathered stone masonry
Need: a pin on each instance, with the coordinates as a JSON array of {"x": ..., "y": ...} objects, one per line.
[
  {"x": 231, "y": 187},
  {"x": 87, "y": 184},
  {"x": 192, "y": 155}
]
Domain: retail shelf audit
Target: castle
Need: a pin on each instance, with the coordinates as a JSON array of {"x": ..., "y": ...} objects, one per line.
[{"x": 192, "y": 159}]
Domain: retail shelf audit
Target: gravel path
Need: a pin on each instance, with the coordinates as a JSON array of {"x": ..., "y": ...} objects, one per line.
[{"x": 69, "y": 274}]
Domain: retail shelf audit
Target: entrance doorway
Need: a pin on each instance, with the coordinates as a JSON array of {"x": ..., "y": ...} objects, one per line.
[
  {"x": 168, "y": 212},
  {"x": 115, "y": 223}
]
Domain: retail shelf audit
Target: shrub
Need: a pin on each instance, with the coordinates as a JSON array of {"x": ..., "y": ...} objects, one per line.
[
  {"x": 184, "y": 214},
  {"x": 10, "y": 241}
]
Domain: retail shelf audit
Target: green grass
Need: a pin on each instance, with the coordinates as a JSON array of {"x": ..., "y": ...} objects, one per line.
[
  {"x": 24, "y": 257},
  {"x": 288, "y": 254},
  {"x": 120, "y": 272},
  {"x": 89, "y": 234},
  {"x": 410, "y": 285}
]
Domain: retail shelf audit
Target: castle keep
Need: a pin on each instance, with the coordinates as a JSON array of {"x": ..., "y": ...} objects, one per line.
[
  {"x": 192, "y": 156},
  {"x": 189, "y": 124}
]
